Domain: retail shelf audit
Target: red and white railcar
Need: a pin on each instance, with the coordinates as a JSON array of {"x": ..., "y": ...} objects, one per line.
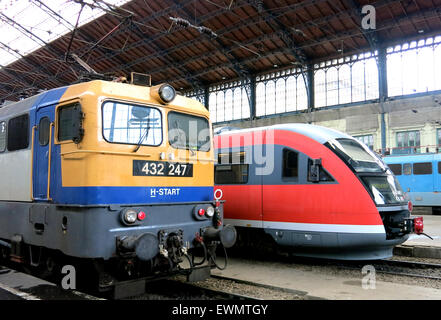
[{"x": 315, "y": 190}]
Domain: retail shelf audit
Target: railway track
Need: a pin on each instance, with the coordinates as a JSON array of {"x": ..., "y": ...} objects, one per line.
[
  {"x": 175, "y": 288},
  {"x": 415, "y": 269}
]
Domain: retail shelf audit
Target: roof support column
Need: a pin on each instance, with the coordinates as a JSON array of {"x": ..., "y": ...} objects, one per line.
[
  {"x": 250, "y": 88},
  {"x": 383, "y": 94},
  {"x": 310, "y": 86},
  {"x": 207, "y": 97}
]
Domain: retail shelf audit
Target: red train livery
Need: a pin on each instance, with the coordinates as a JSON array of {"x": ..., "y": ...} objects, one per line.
[{"x": 314, "y": 190}]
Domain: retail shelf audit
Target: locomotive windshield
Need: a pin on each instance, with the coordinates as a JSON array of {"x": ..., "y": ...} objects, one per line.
[
  {"x": 188, "y": 132},
  {"x": 359, "y": 157},
  {"x": 131, "y": 124}
]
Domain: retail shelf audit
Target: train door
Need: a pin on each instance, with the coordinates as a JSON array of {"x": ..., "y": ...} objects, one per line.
[
  {"x": 235, "y": 176},
  {"x": 279, "y": 187},
  {"x": 43, "y": 146},
  {"x": 436, "y": 175}
]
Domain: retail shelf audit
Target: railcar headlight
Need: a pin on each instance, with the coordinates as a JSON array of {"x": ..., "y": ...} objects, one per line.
[
  {"x": 167, "y": 93},
  {"x": 130, "y": 216},
  {"x": 210, "y": 211}
]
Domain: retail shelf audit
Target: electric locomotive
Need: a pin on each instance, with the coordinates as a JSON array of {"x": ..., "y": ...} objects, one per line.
[
  {"x": 315, "y": 191},
  {"x": 420, "y": 178},
  {"x": 116, "y": 174}
]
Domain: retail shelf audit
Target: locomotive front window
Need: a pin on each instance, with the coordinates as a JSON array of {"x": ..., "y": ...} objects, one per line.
[
  {"x": 188, "y": 132},
  {"x": 384, "y": 189},
  {"x": 396, "y": 168},
  {"x": 358, "y": 156},
  {"x": 131, "y": 124}
]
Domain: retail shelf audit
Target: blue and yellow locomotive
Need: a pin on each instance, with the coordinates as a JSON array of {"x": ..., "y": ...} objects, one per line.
[{"x": 116, "y": 173}]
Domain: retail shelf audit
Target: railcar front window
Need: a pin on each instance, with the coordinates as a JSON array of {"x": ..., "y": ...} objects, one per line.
[
  {"x": 385, "y": 190},
  {"x": 131, "y": 124},
  {"x": 188, "y": 132},
  {"x": 359, "y": 157}
]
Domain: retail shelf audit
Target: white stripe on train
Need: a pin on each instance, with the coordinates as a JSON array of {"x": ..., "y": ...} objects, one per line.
[{"x": 311, "y": 227}]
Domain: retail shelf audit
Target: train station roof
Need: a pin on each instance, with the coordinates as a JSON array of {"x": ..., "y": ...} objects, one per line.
[{"x": 192, "y": 43}]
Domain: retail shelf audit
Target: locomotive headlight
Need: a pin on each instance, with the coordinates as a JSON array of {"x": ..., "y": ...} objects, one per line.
[
  {"x": 163, "y": 93},
  {"x": 167, "y": 93},
  {"x": 130, "y": 216},
  {"x": 210, "y": 211}
]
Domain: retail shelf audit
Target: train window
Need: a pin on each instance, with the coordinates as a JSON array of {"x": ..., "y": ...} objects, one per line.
[
  {"x": 43, "y": 131},
  {"x": 231, "y": 168},
  {"x": 231, "y": 174},
  {"x": 324, "y": 175},
  {"x": 131, "y": 124},
  {"x": 231, "y": 158},
  {"x": 188, "y": 132},
  {"x": 439, "y": 167},
  {"x": 290, "y": 164},
  {"x": 2, "y": 136},
  {"x": 18, "y": 133},
  {"x": 396, "y": 168},
  {"x": 67, "y": 122},
  {"x": 422, "y": 168},
  {"x": 407, "y": 169}
]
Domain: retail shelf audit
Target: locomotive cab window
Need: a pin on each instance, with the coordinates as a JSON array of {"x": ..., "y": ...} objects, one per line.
[
  {"x": 439, "y": 167},
  {"x": 188, "y": 132},
  {"x": 18, "y": 133},
  {"x": 69, "y": 122},
  {"x": 396, "y": 168},
  {"x": 422, "y": 168},
  {"x": 231, "y": 168},
  {"x": 290, "y": 164},
  {"x": 2, "y": 136},
  {"x": 43, "y": 131},
  {"x": 131, "y": 124}
]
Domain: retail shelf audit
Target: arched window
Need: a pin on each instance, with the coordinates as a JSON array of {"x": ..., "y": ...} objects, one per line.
[
  {"x": 280, "y": 96},
  {"x": 302, "y": 95},
  {"x": 344, "y": 75},
  {"x": 320, "y": 88},
  {"x": 212, "y": 106},
  {"x": 228, "y": 105},
  {"x": 332, "y": 86},
  {"x": 291, "y": 94},
  {"x": 358, "y": 87},
  {"x": 260, "y": 99},
  {"x": 270, "y": 98}
]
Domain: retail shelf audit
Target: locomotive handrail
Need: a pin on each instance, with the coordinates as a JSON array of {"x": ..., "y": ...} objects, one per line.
[
  {"x": 105, "y": 152},
  {"x": 32, "y": 162}
]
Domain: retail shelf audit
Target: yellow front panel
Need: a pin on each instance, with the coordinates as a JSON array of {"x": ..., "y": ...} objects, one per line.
[{"x": 83, "y": 165}]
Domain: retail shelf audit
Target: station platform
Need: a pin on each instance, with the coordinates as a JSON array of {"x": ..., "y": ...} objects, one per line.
[
  {"x": 316, "y": 284},
  {"x": 16, "y": 285},
  {"x": 421, "y": 246}
]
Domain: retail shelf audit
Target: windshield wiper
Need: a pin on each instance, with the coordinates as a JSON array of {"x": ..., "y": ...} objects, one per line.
[{"x": 144, "y": 135}]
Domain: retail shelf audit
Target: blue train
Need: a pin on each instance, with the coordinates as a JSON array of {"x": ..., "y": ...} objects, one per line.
[{"x": 419, "y": 176}]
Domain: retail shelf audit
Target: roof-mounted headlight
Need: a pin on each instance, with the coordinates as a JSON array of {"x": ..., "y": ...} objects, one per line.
[{"x": 165, "y": 93}]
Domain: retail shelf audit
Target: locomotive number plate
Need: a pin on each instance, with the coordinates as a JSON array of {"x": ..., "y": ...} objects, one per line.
[{"x": 162, "y": 168}]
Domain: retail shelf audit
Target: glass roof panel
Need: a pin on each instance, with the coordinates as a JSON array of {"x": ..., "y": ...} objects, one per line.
[{"x": 27, "y": 25}]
